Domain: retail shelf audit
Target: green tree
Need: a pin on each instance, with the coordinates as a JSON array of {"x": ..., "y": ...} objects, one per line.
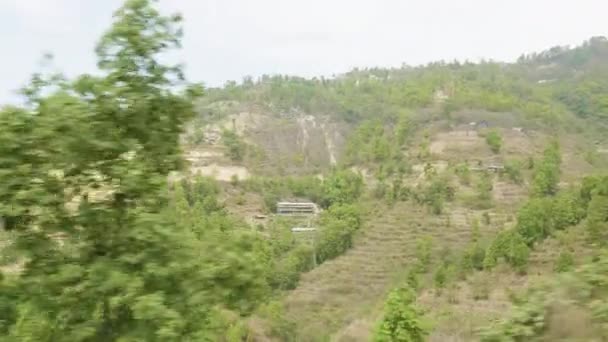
[
  {"x": 594, "y": 196},
  {"x": 235, "y": 146},
  {"x": 597, "y": 218},
  {"x": 494, "y": 140},
  {"x": 401, "y": 321},
  {"x": 342, "y": 187},
  {"x": 509, "y": 246},
  {"x": 436, "y": 193},
  {"x": 535, "y": 220},
  {"x": 484, "y": 189},
  {"x": 567, "y": 209},
  {"x": 473, "y": 257},
  {"x": 403, "y": 129},
  {"x": 338, "y": 225},
  {"x": 88, "y": 161},
  {"x": 547, "y": 172}
]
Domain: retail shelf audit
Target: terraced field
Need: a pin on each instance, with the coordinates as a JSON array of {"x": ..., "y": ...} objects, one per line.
[{"x": 343, "y": 296}]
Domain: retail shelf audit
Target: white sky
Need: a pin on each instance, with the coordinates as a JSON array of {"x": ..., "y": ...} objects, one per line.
[{"x": 229, "y": 39}]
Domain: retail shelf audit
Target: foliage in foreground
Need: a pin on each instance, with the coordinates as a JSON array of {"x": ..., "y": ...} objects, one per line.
[
  {"x": 108, "y": 255},
  {"x": 573, "y": 307}
]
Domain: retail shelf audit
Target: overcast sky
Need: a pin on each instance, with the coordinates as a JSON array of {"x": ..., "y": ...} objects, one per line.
[{"x": 229, "y": 39}]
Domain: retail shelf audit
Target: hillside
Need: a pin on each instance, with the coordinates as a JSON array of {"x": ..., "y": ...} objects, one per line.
[
  {"x": 446, "y": 202},
  {"x": 412, "y": 126}
]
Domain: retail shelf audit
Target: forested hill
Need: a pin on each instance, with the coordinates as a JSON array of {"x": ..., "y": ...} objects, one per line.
[
  {"x": 463, "y": 183},
  {"x": 406, "y": 204},
  {"x": 546, "y": 86}
]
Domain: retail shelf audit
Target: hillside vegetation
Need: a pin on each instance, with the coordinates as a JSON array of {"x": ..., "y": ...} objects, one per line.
[{"x": 458, "y": 201}]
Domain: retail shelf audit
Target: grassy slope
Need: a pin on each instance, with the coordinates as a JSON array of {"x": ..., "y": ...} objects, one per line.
[{"x": 343, "y": 297}]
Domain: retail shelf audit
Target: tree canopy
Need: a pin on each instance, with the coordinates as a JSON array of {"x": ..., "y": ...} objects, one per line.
[{"x": 84, "y": 187}]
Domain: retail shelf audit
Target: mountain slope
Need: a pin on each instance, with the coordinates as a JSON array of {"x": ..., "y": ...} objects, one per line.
[{"x": 342, "y": 296}]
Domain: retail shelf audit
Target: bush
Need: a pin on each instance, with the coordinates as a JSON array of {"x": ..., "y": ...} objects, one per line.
[
  {"x": 565, "y": 262},
  {"x": 547, "y": 173},
  {"x": 435, "y": 194},
  {"x": 201, "y": 189},
  {"x": 424, "y": 248},
  {"x": 580, "y": 293},
  {"x": 494, "y": 140},
  {"x": 567, "y": 209},
  {"x": 396, "y": 192},
  {"x": 235, "y": 146},
  {"x": 309, "y": 187},
  {"x": 509, "y": 246},
  {"x": 473, "y": 258},
  {"x": 539, "y": 217},
  {"x": 513, "y": 172},
  {"x": 401, "y": 321},
  {"x": 338, "y": 226},
  {"x": 597, "y": 218},
  {"x": 464, "y": 174},
  {"x": 534, "y": 220},
  {"x": 287, "y": 268},
  {"x": 280, "y": 326},
  {"x": 341, "y": 187},
  {"x": 270, "y": 201},
  {"x": 413, "y": 278},
  {"x": 484, "y": 188}
]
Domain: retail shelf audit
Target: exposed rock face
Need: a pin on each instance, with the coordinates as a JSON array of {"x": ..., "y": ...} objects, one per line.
[{"x": 294, "y": 144}]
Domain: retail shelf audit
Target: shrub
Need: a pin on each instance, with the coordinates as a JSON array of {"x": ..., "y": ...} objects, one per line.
[
  {"x": 413, "y": 278},
  {"x": 236, "y": 148},
  {"x": 577, "y": 297},
  {"x": 341, "y": 187},
  {"x": 285, "y": 274},
  {"x": 464, "y": 174},
  {"x": 597, "y": 218},
  {"x": 513, "y": 172},
  {"x": 401, "y": 321},
  {"x": 280, "y": 326},
  {"x": 473, "y": 258},
  {"x": 423, "y": 254},
  {"x": 547, "y": 173},
  {"x": 484, "y": 189},
  {"x": 270, "y": 201},
  {"x": 482, "y": 199},
  {"x": 567, "y": 209},
  {"x": 435, "y": 194},
  {"x": 494, "y": 140},
  {"x": 338, "y": 225},
  {"x": 565, "y": 262},
  {"x": 509, "y": 246},
  {"x": 534, "y": 220}
]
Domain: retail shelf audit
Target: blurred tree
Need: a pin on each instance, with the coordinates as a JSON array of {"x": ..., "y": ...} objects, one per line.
[{"x": 83, "y": 182}]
